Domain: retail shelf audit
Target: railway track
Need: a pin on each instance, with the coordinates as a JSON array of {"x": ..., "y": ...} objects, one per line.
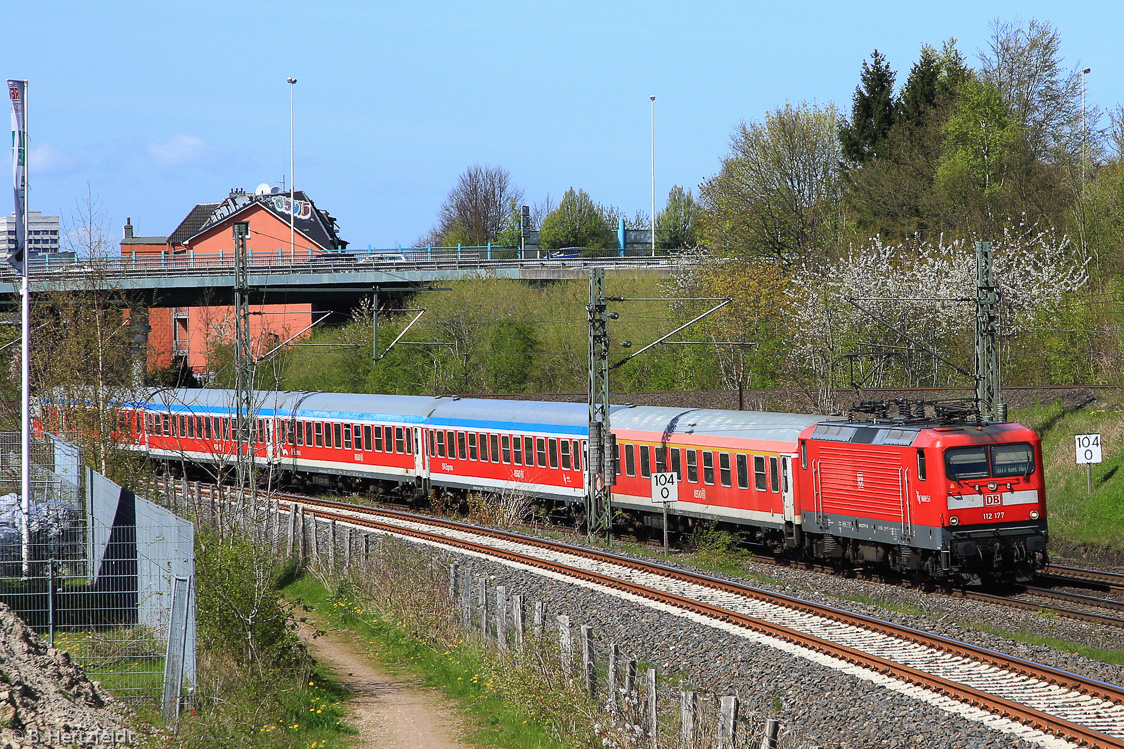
[
  {"x": 1075, "y": 576},
  {"x": 1036, "y": 702}
]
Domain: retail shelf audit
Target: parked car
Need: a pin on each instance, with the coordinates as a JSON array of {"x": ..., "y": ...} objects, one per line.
[{"x": 566, "y": 253}]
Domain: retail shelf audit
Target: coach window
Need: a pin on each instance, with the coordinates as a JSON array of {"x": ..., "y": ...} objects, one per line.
[
  {"x": 167, "y": 425},
  {"x": 319, "y": 434},
  {"x": 552, "y": 446},
  {"x": 399, "y": 441},
  {"x": 645, "y": 461},
  {"x": 708, "y": 467},
  {"x": 461, "y": 452},
  {"x": 207, "y": 426},
  {"x": 529, "y": 452},
  {"x": 774, "y": 474},
  {"x": 540, "y": 444},
  {"x": 630, "y": 460},
  {"x": 692, "y": 466},
  {"x": 616, "y": 458},
  {"x": 347, "y": 436},
  {"x": 724, "y": 468},
  {"x": 308, "y": 433},
  {"x": 472, "y": 454},
  {"x": 743, "y": 471},
  {"x": 191, "y": 426},
  {"x": 367, "y": 444},
  {"x": 337, "y": 428},
  {"x": 377, "y": 430},
  {"x": 565, "y": 455},
  {"x": 182, "y": 427},
  {"x": 661, "y": 459},
  {"x": 920, "y": 464},
  {"x": 495, "y": 440},
  {"x": 506, "y": 449},
  {"x": 577, "y": 452},
  {"x": 388, "y": 438},
  {"x": 759, "y": 480},
  {"x": 517, "y": 450},
  {"x": 483, "y": 448},
  {"x": 299, "y": 433}
]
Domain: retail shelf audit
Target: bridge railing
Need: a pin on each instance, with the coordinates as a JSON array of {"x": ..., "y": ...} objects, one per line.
[{"x": 283, "y": 261}]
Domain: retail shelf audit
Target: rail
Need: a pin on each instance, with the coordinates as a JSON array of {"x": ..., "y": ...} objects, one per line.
[{"x": 1006, "y": 680}]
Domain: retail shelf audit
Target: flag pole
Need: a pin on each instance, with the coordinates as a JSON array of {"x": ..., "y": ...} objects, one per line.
[{"x": 17, "y": 92}]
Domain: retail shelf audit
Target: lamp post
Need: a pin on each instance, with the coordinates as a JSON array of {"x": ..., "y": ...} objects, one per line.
[
  {"x": 653, "y": 224},
  {"x": 1084, "y": 141},
  {"x": 292, "y": 177}
]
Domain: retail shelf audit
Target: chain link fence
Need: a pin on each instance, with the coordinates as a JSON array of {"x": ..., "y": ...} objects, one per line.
[{"x": 107, "y": 576}]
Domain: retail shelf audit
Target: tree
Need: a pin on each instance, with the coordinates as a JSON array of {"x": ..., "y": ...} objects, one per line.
[
  {"x": 980, "y": 140},
  {"x": 919, "y": 94},
  {"x": 777, "y": 193},
  {"x": 576, "y": 222},
  {"x": 1044, "y": 100},
  {"x": 675, "y": 224},
  {"x": 478, "y": 208},
  {"x": 872, "y": 113}
]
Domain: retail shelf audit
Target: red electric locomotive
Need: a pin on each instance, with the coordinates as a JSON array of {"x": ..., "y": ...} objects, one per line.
[{"x": 939, "y": 500}]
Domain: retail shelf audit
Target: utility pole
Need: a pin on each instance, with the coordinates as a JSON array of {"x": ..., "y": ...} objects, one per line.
[
  {"x": 243, "y": 360},
  {"x": 599, "y": 462},
  {"x": 988, "y": 375}
]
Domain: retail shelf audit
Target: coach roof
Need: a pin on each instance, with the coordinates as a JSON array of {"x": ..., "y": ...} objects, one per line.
[{"x": 750, "y": 425}]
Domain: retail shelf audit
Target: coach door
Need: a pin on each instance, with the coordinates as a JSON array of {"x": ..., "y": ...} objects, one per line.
[
  {"x": 786, "y": 489},
  {"x": 419, "y": 453}
]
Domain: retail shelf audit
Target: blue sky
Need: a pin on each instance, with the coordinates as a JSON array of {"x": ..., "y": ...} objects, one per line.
[{"x": 158, "y": 106}]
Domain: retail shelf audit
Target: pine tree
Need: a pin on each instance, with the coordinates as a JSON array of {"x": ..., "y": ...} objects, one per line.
[
  {"x": 872, "y": 114},
  {"x": 919, "y": 94}
]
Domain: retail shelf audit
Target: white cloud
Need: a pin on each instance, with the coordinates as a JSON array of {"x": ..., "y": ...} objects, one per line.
[
  {"x": 179, "y": 150},
  {"x": 46, "y": 159}
]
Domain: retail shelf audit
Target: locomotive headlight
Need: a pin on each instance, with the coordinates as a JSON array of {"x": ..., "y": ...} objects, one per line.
[
  {"x": 1034, "y": 514},
  {"x": 954, "y": 520},
  {"x": 992, "y": 486}
]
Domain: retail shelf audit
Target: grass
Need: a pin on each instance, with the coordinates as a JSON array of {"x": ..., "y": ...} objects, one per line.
[
  {"x": 1108, "y": 655},
  {"x": 460, "y": 672},
  {"x": 1077, "y": 516}
]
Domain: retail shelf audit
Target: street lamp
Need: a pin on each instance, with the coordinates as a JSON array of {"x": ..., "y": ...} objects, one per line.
[
  {"x": 1084, "y": 141},
  {"x": 292, "y": 177},
  {"x": 653, "y": 230}
]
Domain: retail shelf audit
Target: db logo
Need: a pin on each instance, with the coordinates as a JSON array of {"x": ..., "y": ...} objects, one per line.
[{"x": 992, "y": 499}]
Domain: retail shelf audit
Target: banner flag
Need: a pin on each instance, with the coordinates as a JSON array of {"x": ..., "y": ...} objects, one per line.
[{"x": 17, "y": 92}]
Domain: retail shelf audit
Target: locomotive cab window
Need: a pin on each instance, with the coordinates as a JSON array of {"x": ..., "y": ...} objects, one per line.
[
  {"x": 961, "y": 463},
  {"x": 1012, "y": 460},
  {"x": 920, "y": 464}
]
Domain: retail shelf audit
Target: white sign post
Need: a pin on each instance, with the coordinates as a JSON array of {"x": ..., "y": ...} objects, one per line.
[
  {"x": 665, "y": 489},
  {"x": 1087, "y": 448}
]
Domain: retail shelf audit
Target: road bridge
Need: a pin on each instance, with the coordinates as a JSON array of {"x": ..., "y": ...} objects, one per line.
[{"x": 338, "y": 282}]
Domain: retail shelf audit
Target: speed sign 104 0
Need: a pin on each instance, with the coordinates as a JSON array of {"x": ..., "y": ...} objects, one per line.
[{"x": 1088, "y": 448}]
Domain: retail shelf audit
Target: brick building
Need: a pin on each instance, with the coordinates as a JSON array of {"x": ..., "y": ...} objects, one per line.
[{"x": 184, "y": 335}]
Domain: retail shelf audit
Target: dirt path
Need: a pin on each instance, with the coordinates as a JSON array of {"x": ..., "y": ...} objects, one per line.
[{"x": 390, "y": 712}]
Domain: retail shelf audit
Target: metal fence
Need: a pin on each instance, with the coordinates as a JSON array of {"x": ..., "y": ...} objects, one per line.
[{"x": 108, "y": 576}]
